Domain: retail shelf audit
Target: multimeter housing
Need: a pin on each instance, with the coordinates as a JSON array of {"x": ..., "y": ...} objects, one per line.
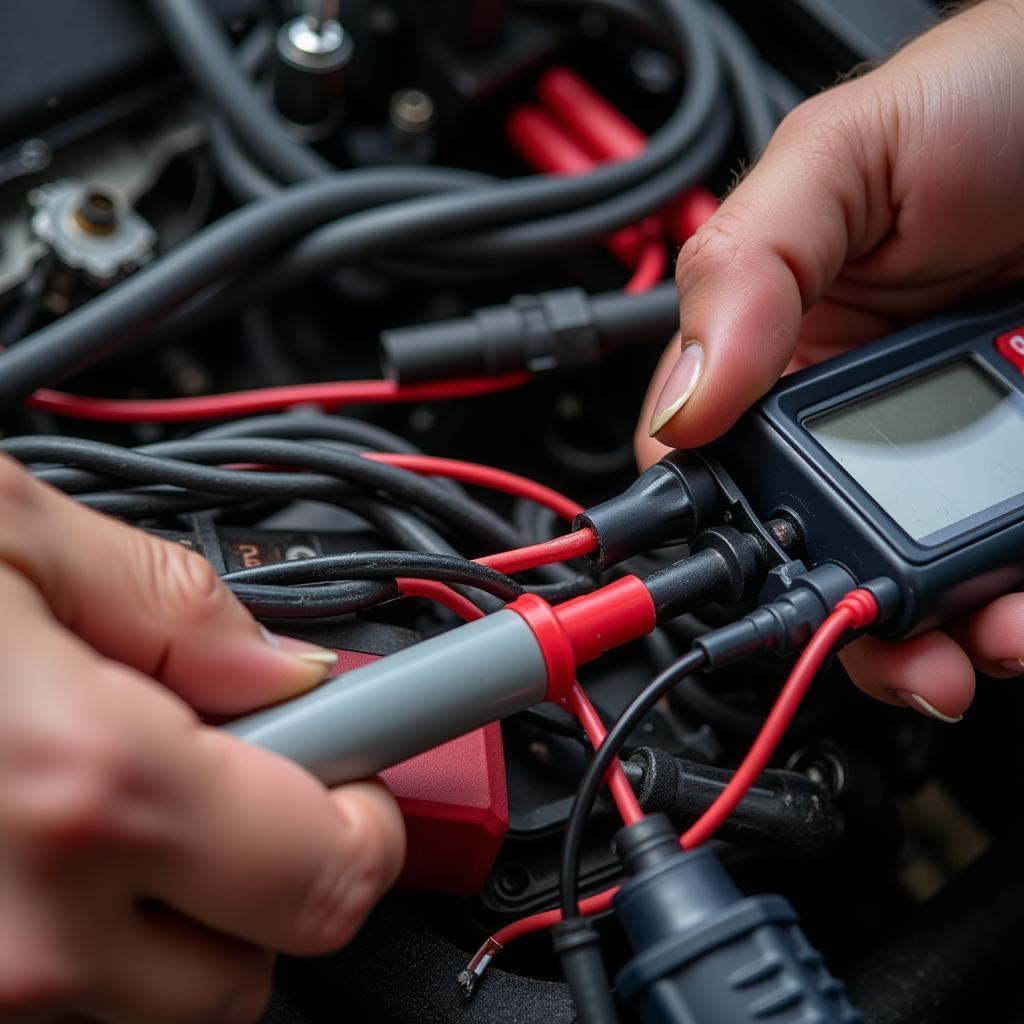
[{"x": 799, "y": 453}]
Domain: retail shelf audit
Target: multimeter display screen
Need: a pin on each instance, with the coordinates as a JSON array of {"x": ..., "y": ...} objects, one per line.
[{"x": 933, "y": 451}]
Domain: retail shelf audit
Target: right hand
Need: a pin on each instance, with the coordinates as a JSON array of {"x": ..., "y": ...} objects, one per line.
[
  {"x": 149, "y": 865},
  {"x": 876, "y": 203}
]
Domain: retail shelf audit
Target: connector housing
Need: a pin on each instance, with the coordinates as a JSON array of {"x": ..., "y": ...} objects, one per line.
[
  {"x": 705, "y": 953},
  {"x": 668, "y": 503}
]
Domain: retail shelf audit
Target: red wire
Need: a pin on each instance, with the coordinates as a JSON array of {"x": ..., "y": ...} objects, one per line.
[
  {"x": 561, "y": 549},
  {"x": 650, "y": 267},
  {"x": 483, "y": 476},
  {"x": 538, "y": 922},
  {"x": 442, "y": 594},
  {"x": 622, "y": 793},
  {"x": 857, "y": 609},
  {"x": 330, "y": 395}
]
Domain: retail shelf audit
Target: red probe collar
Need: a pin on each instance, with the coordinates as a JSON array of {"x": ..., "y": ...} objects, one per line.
[
  {"x": 553, "y": 641},
  {"x": 585, "y": 627}
]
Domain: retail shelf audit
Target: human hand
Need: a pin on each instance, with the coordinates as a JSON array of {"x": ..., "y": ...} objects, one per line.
[
  {"x": 875, "y": 203},
  {"x": 150, "y": 864}
]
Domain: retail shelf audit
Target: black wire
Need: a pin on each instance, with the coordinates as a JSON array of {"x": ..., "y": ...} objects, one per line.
[
  {"x": 328, "y": 601},
  {"x": 202, "y": 48},
  {"x": 164, "y": 464},
  {"x": 26, "y": 305},
  {"x": 406, "y": 530},
  {"x": 597, "y": 769},
  {"x": 757, "y": 114},
  {"x": 155, "y": 502},
  {"x": 377, "y": 565},
  {"x": 118, "y": 316},
  {"x": 313, "y": 426}
]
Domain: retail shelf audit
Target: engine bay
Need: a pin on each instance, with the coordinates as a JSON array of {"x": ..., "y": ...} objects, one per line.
[{"x": 356, "y": 303}]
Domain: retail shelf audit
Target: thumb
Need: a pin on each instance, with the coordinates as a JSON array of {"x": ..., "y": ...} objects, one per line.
[
  {"x": 815, "y": 200},
  {"x": 147, "y": 603}
]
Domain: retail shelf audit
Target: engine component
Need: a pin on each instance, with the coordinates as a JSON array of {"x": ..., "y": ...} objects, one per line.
[
  {"x": 91, "y": 230},
  {"x": 309, "y": 75},
  {"x": 784, "y": 814}
]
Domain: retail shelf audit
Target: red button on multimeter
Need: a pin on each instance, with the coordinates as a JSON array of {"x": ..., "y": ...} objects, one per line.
[{"x": 1011, "y": 346}]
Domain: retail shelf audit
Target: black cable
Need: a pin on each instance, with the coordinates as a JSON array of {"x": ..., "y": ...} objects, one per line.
[
  {"x": 577, "y": 945},
  {"x": 202, "y": 48},
  {"x": 406, "y": 530},
  {"x": 554, "y": 235},
  {"x": 376, "y": 565},
  {"x": 112, "y": 320},
  {"x": 597, "y": 769},
  {"x": 757, "y": 115},
  {"x": 242, "y": 178},
  {"x": 165, "y": 463},
  {"x": 312, "y": 426},
  {"x": 155, "y": 502},
  {"x": 323, "y": 602},
  {"x": 26, "y": 305}
]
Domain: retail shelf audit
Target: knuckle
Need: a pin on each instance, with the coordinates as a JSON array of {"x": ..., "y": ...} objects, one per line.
[
  {"x": 19, "y": 493},
  {"x": 181, "y": 585},
  {"x": 18, "y": 488},
  {"x": 710, "y": 250},
  {"x": 74, "y": 788},
  {"x": 831, "y": 128},
  {"x": 342, "y": 898},
  {"x": 35, "y": 977}
]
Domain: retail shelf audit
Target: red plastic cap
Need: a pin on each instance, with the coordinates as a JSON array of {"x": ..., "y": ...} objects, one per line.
[{"x": 582, "y": 629}]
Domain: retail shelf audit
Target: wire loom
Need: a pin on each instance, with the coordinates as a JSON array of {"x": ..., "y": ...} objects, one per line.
[{"x": 426, "y": 516}]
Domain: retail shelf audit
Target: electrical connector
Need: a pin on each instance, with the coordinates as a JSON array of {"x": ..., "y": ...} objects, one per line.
[
  {"x": 804, "y": 600},
  {"x": 784, "y": 813},
  {"x": 724, "y": 565},
  {"x": 705, "y": 953},
  {"x": 668, "y": 503},
  {"x": 552, "y": 330}
]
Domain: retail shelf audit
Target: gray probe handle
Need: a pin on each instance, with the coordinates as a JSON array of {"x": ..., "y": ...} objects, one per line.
[{"x": 379, "y": 714}]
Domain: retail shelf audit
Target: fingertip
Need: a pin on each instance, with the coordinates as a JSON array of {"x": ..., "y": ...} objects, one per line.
[
  {"x": 994, "y": 636},
  {"x": 246, "y": 669},
  {"x": 373, "y": 818},
  {"x": 929, "y": 673}
]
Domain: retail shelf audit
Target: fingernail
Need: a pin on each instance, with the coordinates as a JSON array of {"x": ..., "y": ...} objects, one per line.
[
  {"x": 1014, "y": 665},
  {"x": 679, "y": 385},
  {"x": 918, "y": 703},
  {"x": 310, "y": 654}
]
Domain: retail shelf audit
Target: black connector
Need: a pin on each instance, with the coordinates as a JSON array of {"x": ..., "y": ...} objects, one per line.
[
  {"x": 705, "y": 953},
  {"x": 800, "y": 601},
  {"x": 804, "y": 601},
  {"x": 668, "y": 503},
  {"x": 577, "y": 945},
  {"x": 552, "y": 330},
  {"x": 724, "y": 566},
  {"x": 784, "y": 813}
]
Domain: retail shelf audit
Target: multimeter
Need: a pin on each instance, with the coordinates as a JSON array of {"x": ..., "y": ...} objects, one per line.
[{"x": 903, "y": 458}]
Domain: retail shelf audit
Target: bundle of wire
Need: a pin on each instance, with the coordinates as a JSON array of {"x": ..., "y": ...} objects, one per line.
[
  {"x": 411, "y": 499},
  {"x": 303, "y": 217}
]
